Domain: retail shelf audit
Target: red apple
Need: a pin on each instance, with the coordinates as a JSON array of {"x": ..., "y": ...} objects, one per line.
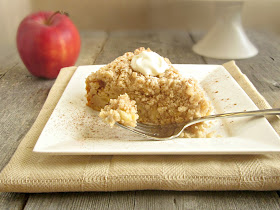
[{"x": 47, "y": 42}]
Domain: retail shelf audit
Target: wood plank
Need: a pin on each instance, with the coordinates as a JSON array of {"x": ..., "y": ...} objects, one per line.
[
  {"x": 92, "y": 44},
  {"x": 176, "y": 45},
  {"x": 68, "y": 201},
  {"x": 22, "y": 97},
  {"x": 206, "y": 200},
  {"x": 264, "y": 69},
  {"x": 13, "y": 201},
  {"x": 154, "y": 200},
  {"x": 158, "y": 199},
  {"x": 21, "y": 100},
  {"x": 231, "y": 200},
  {"x": 88, "y": 200},
  {"x": 122, "y": 200},
  {"x": 8, "y": 61}
]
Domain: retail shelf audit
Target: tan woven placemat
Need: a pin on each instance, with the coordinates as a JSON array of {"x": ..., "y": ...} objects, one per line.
[{"x": 33, "y": 172}]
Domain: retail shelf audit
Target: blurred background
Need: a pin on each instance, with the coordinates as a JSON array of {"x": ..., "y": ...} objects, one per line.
[{"x": 135, "y": 14}]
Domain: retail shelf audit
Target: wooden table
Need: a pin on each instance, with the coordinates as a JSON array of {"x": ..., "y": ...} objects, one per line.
[{"x": 23, "y": 95}]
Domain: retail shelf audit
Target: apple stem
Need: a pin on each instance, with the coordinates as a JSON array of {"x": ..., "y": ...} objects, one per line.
[{"x": 49, "y": 20}]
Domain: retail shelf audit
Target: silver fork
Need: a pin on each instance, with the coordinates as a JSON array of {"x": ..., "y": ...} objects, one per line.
[{"x": 167, "y": 132}]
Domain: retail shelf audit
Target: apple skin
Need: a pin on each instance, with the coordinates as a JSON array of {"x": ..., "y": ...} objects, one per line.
[{"x": 46, "y": 47}]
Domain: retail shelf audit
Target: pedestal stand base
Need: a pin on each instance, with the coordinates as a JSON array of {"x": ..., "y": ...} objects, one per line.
[{"x": 226, "y": 39}]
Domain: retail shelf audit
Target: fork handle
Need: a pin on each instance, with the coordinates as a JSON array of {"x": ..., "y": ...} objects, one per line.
[{"x": 240, "y": 114}]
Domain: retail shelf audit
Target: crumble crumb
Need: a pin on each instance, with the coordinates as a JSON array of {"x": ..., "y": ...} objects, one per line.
[{"x": 122, "y": 110}]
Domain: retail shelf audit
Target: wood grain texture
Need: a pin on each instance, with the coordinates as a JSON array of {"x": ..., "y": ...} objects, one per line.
[
  {"x": 8, "y": 61},
  {"x": 154, "y": 200},
  {"x": 263, "y": 70},
  {"x": 176, "y": 45},
  {"x": 13, "y": 201},
  {"x": 88, "y": 200},
  {"x": 205, "y": 200},
  {"x": 92, "y": 44},
  {"x": 68, "y": 201},
  {"x": 22, "y": 97}
]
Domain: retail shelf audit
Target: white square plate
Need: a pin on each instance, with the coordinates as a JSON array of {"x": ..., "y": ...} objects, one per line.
[{"x": 76, "y": 129}]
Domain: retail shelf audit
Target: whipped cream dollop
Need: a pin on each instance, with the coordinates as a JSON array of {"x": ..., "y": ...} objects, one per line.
[{"x": 149, "y": 63}]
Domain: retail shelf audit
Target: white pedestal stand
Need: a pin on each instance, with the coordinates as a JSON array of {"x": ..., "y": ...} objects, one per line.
[{"x": 226, "y": 39}]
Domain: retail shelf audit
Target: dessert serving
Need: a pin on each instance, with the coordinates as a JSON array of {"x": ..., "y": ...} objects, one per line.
[
  {"x": 122, "y": 110},
  {"x": 162, "y": 95}
]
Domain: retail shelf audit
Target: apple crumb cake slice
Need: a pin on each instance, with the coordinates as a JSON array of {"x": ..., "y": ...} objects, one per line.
[{"x": 162, "y": 94}]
